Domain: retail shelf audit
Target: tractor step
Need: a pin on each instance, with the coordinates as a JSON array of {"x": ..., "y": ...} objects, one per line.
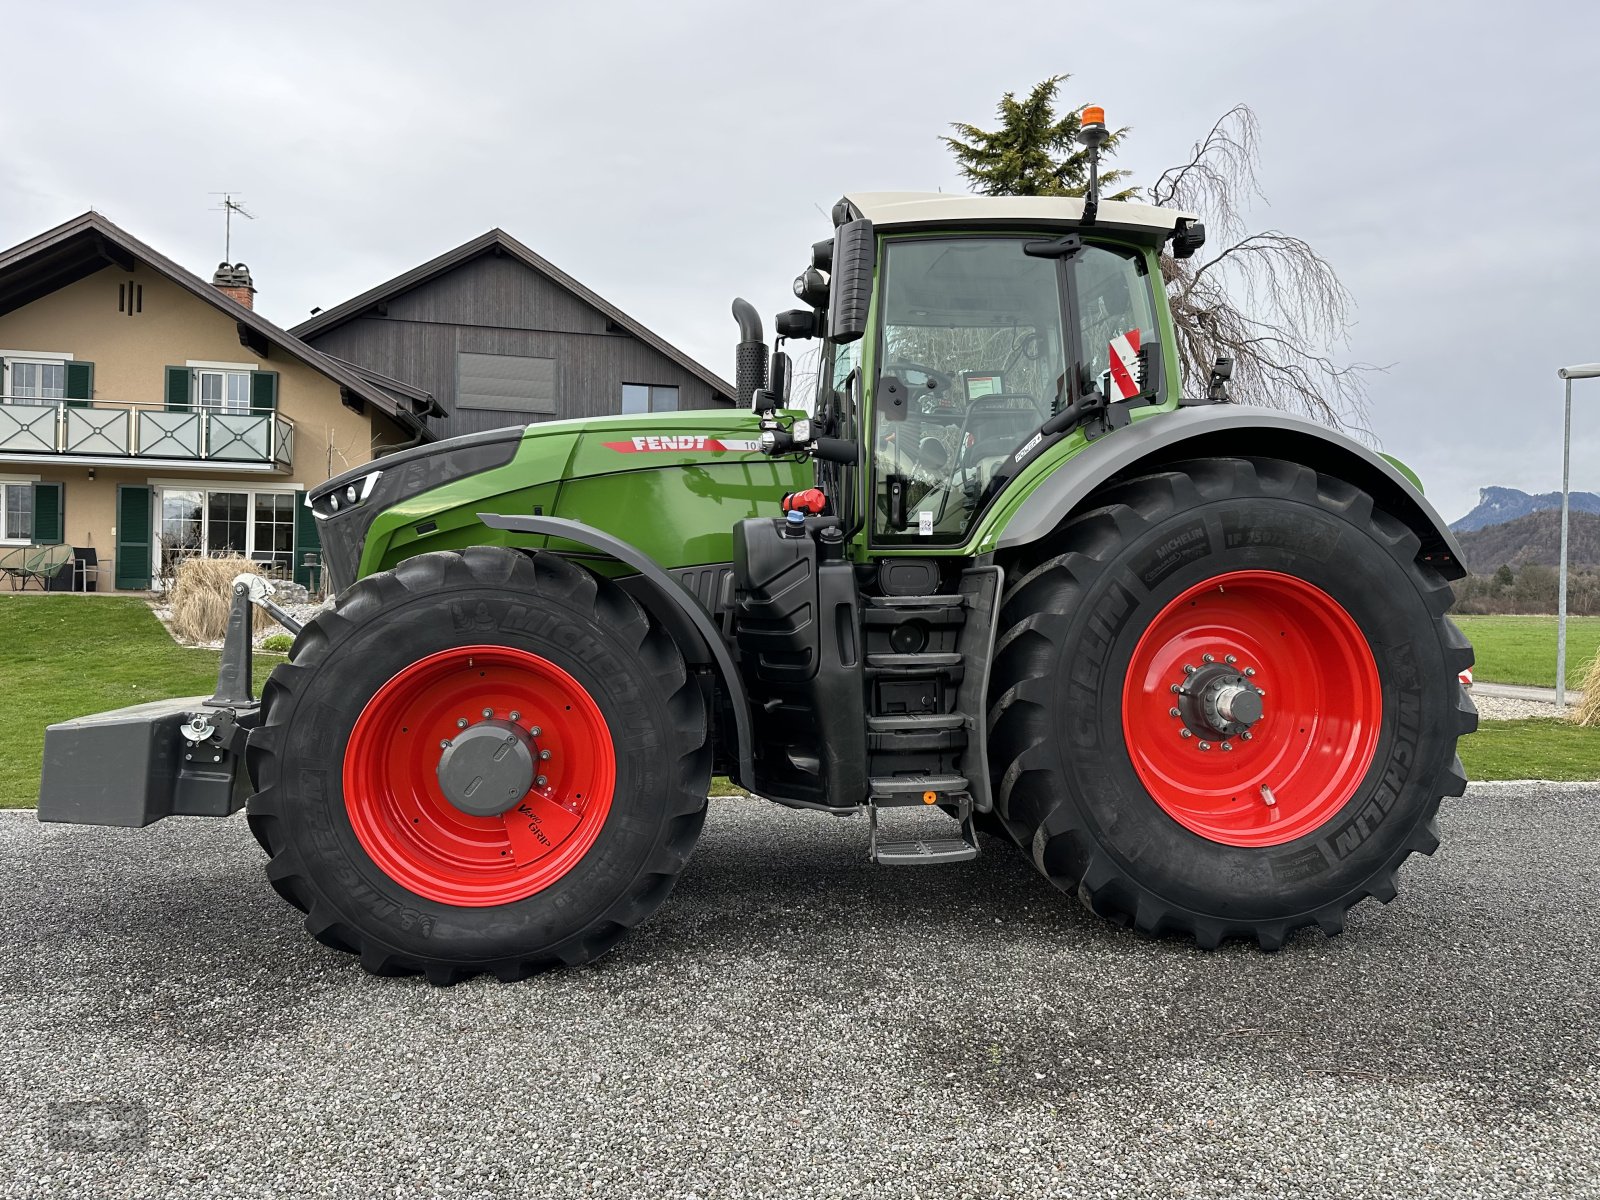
[
  {"x": 930, "y": 852},
  {"x": 927, "y": 661},
  {"x": 919, "y": 722},
  {"x": 889, "y": 790},
  {"x": 925, "y": 850}
]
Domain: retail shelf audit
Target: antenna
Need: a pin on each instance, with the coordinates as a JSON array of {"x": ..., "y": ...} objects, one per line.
[{"x": 229, "y": 206}]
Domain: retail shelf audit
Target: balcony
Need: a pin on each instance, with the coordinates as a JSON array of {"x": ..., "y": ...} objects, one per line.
[{"x": 115, "y": 433}]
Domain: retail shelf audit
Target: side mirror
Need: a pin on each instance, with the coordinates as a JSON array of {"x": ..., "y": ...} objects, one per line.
[{"x": 855, "y": 252}]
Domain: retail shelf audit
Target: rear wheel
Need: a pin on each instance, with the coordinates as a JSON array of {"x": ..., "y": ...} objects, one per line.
[
  {"x": 1226, "y": 702},
  {"x": 479, "y": 762}
]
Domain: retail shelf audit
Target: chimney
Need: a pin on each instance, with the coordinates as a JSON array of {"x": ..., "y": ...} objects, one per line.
[{"x": 233, "y": 281}]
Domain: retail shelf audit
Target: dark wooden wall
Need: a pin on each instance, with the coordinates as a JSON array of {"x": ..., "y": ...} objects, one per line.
[{"x": 498, "y": 305}]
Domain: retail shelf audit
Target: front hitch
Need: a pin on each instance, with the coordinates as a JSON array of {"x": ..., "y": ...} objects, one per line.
[{"x": 184, "y": 757}]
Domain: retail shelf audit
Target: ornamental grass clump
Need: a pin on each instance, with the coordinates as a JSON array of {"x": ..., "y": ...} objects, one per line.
[
  {"x": 1589, "y": 711},
  {"x": 202, "y": 594}
]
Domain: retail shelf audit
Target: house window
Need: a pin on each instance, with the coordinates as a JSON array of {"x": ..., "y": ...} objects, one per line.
[
  {"x": 649, "y": 397},
  {"x": 222, "y": 391},
  {"x": 196, "y": 523},
  {"x": 273, "y": 535},
  {"x": 506, "y": 382},
  {"x": 16, "y": 513},
  {"x": 38, "y": 381}
]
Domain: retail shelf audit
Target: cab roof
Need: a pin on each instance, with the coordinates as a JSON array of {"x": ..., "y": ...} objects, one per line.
[{"x": 930, "y": 210}]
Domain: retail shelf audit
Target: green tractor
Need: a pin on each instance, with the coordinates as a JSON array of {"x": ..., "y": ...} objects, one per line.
[{"x": 1191, "y": 657}]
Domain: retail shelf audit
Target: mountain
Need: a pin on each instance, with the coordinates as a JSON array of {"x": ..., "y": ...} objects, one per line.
[
  {"x": 1497, "y": 505},
  {"x": 1535, "y": 538}
]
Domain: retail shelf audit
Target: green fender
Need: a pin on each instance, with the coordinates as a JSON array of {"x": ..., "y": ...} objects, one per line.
[{"x": 1226, "y": 430}]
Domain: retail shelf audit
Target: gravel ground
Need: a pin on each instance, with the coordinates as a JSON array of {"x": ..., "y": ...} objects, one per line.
[
  {"x": 1504, "y": 708},
  {"x": 797, "y": 1022}
]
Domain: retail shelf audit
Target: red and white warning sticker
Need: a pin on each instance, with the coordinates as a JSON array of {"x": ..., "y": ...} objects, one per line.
[
  {"x": 1125, "y": 366},
  {"x": 674, "y": 442}
]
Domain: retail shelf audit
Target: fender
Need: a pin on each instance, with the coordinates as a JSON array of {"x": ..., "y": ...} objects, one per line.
[
  {"x": 672, "y": 598},
  {"x": 1224, "y": 430}
]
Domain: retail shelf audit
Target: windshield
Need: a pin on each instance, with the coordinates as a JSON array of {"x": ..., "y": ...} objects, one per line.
[{"x": 972, "y": 328}]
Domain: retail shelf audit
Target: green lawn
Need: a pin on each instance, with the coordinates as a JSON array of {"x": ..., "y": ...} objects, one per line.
[
  {"x": 1523, "y": 649},
  {"x": 1537, "y": 749},
  {"x": 67, "y": 656}
]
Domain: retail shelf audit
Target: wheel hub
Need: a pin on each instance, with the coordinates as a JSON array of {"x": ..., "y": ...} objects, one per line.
[
  {"x": 1218, "y": 700},
  {"x": 486, "y": 768}
]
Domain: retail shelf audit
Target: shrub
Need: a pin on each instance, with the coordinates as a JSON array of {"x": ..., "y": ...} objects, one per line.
[
  {"x": 279, "y": 643},
  {"x": 202, "y": 593},
  {"x": 1589, "y": 710}
]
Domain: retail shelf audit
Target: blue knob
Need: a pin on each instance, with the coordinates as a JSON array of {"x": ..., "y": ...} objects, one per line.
[{"x": 795, "y": 517}]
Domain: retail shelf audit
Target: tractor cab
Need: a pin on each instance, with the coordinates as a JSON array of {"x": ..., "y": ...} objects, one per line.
[{"x": 963, "y": 337}]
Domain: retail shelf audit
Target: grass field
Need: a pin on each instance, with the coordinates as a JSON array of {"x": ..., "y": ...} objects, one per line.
[
  {"x": 1523, "y": 649},
  {"x": 1537, "y": 749},
  {"x": 67, "y": 656}
]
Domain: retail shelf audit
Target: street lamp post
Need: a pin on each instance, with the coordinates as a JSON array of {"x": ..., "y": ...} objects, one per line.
[{"x": 1582, "y": 371}]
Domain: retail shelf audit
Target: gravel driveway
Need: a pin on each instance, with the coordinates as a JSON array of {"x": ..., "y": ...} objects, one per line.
[{"x": 797, "y": 1022}]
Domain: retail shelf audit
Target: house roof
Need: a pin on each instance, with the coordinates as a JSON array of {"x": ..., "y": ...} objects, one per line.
[
  {"x": 90, "y": 242},
  {"x": 500, "y": 240}
]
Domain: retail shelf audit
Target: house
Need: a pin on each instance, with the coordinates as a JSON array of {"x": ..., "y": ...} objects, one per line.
[
  {"x": 149, "y": 414},
  {"x": 500, "y": 336}
]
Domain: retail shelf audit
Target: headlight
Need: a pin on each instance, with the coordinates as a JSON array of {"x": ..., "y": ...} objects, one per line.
[{"x": 354, "y": 494}]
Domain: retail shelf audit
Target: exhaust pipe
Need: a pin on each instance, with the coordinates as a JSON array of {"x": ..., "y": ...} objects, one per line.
[{"x": 750, "y": 357}]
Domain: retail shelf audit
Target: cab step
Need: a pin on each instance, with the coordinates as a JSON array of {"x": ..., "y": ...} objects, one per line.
[
  {"x": 909, "y": 789},
  {"x": 926, "y": 850}
]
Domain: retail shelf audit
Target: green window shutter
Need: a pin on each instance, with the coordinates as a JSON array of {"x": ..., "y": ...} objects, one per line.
[
  {"x": 80, "y": 384},
  {"x": 263, "y": 391},
  {"x": 49, "y": 515},
  {"x": 180, "y": 389},
  {"x": 133, "y": 537},
  {"x": 307, "y": 539}
]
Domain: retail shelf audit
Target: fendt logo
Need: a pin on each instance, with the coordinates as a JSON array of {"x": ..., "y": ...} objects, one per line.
[{"x": 678, "y": 441}]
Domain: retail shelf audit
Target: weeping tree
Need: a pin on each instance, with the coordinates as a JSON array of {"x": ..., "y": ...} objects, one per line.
[{"x": 1264, "y": 298}]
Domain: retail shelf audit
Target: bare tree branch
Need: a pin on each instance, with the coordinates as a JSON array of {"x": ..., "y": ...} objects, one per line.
[{"x": 1265, "y": 299}]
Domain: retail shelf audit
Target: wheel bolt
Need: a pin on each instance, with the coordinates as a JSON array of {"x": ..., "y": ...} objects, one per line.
[
  {"x": 540, "y": 782},
  {"x": 1227, "y": 745},
  {"x": 1185, "y": 733},
  {"x": 544, "y": 754},
  {"x": 515, "y": 715},
  {"x": 1205, "y": 745},
  {"x": 1172, "y": 712},
  {"x": 461, "y": 722},
  {"x": 1206, "y": 658},
  {"x": 1188, "y": 670},
  {"x": 1249, "y": 672},
  {"x": 444, "y": 744},
  {"x": 536, "y": 731},
  {"x": 1230, "y": 660},
  {"x": 1175, "y": 688},
  {"x": 1247, "y": 735},
  {"x": 487, "y": 713}
]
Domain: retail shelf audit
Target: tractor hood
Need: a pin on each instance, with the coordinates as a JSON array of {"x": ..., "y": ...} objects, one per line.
[{"x": 673, "y": 484}]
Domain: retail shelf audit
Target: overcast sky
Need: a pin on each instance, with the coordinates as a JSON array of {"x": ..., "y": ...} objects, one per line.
[{"x": 1446, "y": 158}]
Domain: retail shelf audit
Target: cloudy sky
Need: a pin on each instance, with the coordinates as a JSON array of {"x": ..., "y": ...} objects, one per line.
[{"x": 1446, "y": 158}]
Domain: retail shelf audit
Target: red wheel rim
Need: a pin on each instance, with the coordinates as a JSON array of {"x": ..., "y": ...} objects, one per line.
[
  {"x": 1320, "y": 699},
  {"x": 423, "y": 842}
]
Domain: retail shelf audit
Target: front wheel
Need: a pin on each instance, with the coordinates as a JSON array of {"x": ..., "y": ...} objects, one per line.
[
  {"x": 482, "y": 761},
  {"x": 1226, "y": 703}
]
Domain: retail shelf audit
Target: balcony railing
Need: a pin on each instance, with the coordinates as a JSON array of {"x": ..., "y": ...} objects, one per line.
[{"x": 112, "y": 429}]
